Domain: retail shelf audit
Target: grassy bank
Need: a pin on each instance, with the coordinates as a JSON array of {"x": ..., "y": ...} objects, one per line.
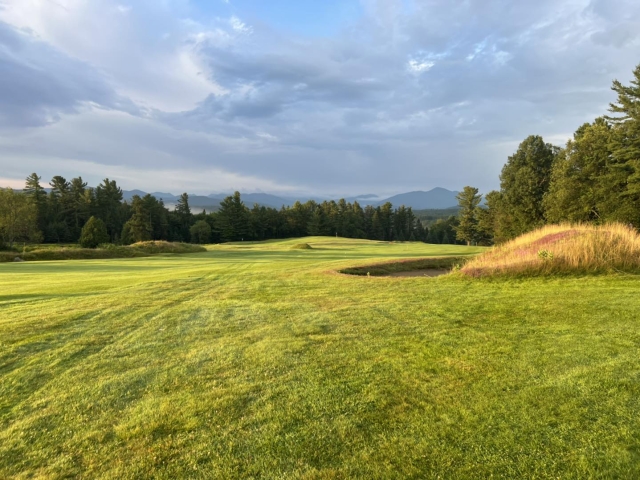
[
  {"x": 258, "y": 361},
  {"x": 563, "y": 249},
  {"x": 142, "y": 249}
]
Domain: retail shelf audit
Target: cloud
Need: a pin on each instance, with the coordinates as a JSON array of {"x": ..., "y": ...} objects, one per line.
[
  {"x": 38, "y": 83},
  {"x": 409, "y": 95}
]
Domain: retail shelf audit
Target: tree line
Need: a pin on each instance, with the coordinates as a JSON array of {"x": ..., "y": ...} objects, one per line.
[
  {"x": 595, "y": 178},
  {"x": 72, "y": 212}
]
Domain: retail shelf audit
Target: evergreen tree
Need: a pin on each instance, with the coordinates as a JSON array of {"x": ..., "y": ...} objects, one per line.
[
  {"x": 233, "y": 219},
  {"x": 468, "y": 201},
  {"x": 93, "y": 233},
  {"x": 625, "y": 147},
  {"x": 317, "y": 223},
  {"x": 38, "y": 197},
  {"x": 108, "y": 207},
  {"x": 140, "y": 226},
  {"x": 80, "y": 205},
  {"x": 524, "y": 181},
  {"x": 183, "y": 213}
]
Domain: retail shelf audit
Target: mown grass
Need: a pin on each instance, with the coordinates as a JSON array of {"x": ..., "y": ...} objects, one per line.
[
  {"x": 563, "y": 249},
  {"x": 257, "y": 361},
  {"x": 141, "y": 249}
]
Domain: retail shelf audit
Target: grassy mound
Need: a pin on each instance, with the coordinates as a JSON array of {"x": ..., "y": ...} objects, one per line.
[
  {"x": 142, "y": 249},
  {"x": 301, "y": 246},
  {"x": 383, "y": 269},
  {"x": 562, "y": 249}
]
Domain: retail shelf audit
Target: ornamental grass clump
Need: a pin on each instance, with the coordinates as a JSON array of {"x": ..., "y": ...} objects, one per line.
[{"x": 555, "y": 249}]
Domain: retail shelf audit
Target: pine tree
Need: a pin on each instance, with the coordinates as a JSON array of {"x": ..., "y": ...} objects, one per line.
[
  {"x": 108, "y": 206},
  {"x": 185, "y": 218},
  {"x": 233, "y": 219},
  {"x": 93, "y": 233},
  {"x": 625, "y": 146},
  {"x": 468, "y": 201},
  {"x": 140, "y": 224},
  {"x": 38, "y": 197}
]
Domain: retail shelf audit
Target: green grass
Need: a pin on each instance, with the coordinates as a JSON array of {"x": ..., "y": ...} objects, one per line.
[
  {"x": 258, "y": 361},
  {"x": 75, "y": 252}
]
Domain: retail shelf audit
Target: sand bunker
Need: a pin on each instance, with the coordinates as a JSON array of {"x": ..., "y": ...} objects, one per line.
[{"x": 418, "y": 273}]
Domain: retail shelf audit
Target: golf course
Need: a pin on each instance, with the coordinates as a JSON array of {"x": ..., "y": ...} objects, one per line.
[{"x": 259, "y": 360}]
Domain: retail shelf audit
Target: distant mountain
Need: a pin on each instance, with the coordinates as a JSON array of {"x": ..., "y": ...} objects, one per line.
[
  {"x": 265, "y": 199},
  {"x": 165, "y": 197},
  {"x": 127, "y": 195},
  {"x": 436, "y": 198}
]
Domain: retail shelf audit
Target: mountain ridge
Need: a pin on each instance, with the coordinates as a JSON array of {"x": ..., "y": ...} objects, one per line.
[{"x": 436, "y": 198}]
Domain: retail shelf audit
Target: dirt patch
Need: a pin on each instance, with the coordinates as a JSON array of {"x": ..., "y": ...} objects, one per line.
[{"x": 419, "y": 273}]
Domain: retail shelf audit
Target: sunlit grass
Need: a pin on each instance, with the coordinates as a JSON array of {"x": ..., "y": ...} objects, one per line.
[
  {"x": 557, "y": 249},
  {"x": 258, "y": 361}
]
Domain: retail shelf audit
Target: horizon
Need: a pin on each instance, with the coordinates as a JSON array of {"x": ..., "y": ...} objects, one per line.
[{"x": 336, "y": 99}]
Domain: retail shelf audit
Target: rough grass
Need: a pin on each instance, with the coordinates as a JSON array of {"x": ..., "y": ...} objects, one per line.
[
  {"x": 257, "y": 361},
  {"x": 383, "y": 269},
  {"x": 563, "y": 249},
  {"x": 142, "y": 249}
]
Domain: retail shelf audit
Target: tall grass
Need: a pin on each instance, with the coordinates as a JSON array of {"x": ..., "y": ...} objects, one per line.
[
  {"x": 141, "y": 249},
  {"x": 563, "y": 249}
]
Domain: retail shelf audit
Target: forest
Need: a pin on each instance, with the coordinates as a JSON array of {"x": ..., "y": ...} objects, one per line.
[
  {"x": 595, "y": 178},
  {"x": 69, "y": 208}
]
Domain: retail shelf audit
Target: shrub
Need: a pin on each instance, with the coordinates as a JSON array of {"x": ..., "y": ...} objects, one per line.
[
  {"x": 200, "y": 232},
  {"x": 94, "y": 233},
  {"x": 301, "y": 246}
]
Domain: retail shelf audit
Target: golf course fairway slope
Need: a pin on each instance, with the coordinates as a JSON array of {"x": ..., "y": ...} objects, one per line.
[{"x": 259, "y": 360}]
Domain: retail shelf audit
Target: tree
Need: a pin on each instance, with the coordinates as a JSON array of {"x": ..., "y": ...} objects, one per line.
[
  {"x": 93, "y": 233},
  {"x": 81, "y": 200},
  {"x": 233, "y": 219},
  {"x": 625, "y": 147},
  {"x": 38, "y": 197},
  {"x": 184, "y": 217},
  {"x": 108, "y": 201},
  {"x": 468, "y": 201},
  {"x": 524, "y": 181},
  {"x": 140, "y": 226},
  {"x": 18, "y": 218},
  {"x": 200, "y": 232},
  {"x": 581, "y": 189}
]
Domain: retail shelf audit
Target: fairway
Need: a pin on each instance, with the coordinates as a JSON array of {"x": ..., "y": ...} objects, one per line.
[{"x": 257, "y": 360}]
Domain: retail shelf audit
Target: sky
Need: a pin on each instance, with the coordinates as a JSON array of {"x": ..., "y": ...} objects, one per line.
[{"x": 332, "y": 97}]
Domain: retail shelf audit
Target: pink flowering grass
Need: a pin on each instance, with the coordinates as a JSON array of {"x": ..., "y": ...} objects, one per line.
[{"x": 557, "y": 249}]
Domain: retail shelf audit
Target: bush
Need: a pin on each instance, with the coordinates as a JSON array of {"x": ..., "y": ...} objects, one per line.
[
  {"x": 94, "y": 233},
  {"x": 301, "y": 246},
  {"x": 141, "y": 249},
  {"x": 200, "y": 232}
]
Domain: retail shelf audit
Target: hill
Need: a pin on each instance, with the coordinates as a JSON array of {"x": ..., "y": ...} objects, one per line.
[
  {"x": 437, "y": 198},
  {"x": 556, "y": 249}
]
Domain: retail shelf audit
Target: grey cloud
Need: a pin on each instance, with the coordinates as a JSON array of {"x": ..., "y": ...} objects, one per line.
[
  {"x": 38, "y": 83},
  {"x": 347, "y": 113}
]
